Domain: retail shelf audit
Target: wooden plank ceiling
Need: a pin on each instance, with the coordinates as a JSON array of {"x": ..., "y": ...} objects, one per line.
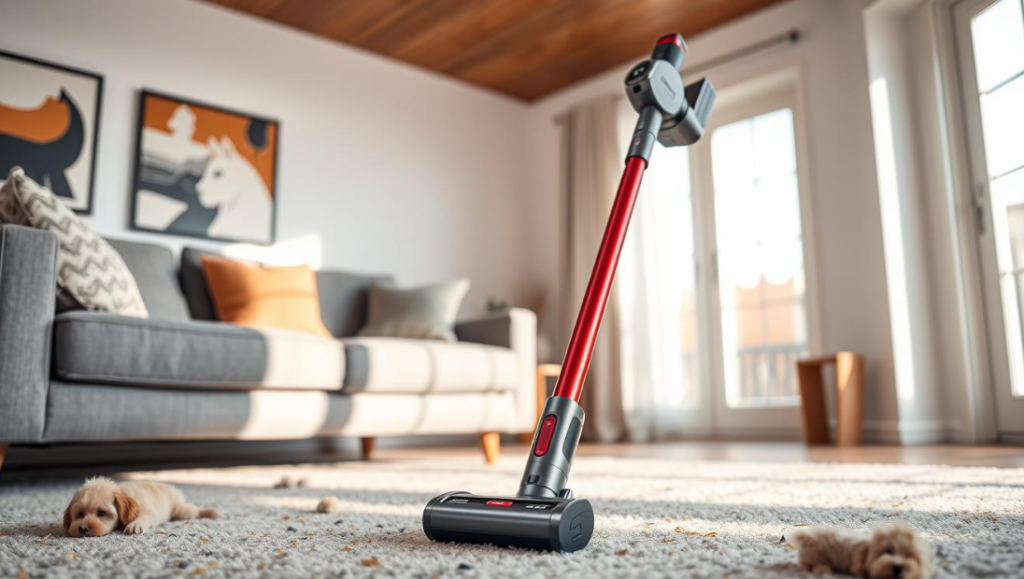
[{"x": 523, "y": 48}]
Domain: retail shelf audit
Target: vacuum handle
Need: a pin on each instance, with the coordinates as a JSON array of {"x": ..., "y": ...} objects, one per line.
[{"x": 588, "y": 322}]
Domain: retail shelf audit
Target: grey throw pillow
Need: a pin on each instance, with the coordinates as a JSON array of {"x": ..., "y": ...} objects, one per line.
[
  {"x": 425, "y": 313},
  {"x": 90, "y": 273}
]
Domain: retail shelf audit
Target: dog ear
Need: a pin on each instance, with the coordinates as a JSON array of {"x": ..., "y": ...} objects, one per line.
[
  {"x": 127, "y": 508},
  {"x": 67, "y": 519},
  {"x": 799, "y": 538},
  {"x": 859, "y": 560},
  {"x": 903, "y": 532}
]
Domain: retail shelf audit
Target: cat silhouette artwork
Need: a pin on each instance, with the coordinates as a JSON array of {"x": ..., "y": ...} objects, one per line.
[
  {"x": 233, "y": 186},
  {"x": 44, "y": 141}
]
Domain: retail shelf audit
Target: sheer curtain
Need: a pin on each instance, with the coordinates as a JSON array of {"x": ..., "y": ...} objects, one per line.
[{"x": 639, "y": 382}]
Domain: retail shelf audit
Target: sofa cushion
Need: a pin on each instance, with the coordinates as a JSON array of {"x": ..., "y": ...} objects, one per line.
[
  {"x": 111, "y": 349},
  {"x": 166, "y": 414},
  {"x": 90, "y": 273},
  {"x": 402, "y": 366},
  {"x": 425, "y": 313},
  {"x": 193, "y": 284},
  {"x": 343, "y": 296},
  {"x": 344, "y": 300},
  {"x": 273, "y": 297},
  {"x": 156, "y": 273}
]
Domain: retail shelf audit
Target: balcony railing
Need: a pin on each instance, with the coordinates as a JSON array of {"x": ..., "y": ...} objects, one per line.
[{"x": 767, "y": 375}]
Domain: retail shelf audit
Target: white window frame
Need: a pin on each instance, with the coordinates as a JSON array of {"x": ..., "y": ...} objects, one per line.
[
  {"x": 774, "y": 89},
  {"x": 969, "y": 173}
]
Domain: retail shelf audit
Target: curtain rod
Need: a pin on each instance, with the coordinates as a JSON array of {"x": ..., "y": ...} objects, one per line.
[{"x": 790, "y": 37}]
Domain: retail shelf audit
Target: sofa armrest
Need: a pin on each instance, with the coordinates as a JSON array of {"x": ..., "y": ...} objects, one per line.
[
  {"x": 28, "y": 280},
  {"x": 515, "y": 329}
]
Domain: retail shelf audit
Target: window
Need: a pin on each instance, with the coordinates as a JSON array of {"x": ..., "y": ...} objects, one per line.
[
  {"x": 997, "y": 35},
  {"x": 990, "y": 43},
  {"x": 760, "y": 259}
]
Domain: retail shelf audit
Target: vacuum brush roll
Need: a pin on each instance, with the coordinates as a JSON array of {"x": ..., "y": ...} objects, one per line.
[{"x": 546, "y": 524}]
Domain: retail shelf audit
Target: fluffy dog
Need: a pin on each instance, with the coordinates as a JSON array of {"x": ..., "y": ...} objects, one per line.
[
  {"x": 890, "y": 552},
  {"x": 102, "y": 506}
]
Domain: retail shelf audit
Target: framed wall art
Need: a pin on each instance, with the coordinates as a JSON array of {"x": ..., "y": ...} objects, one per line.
[
  {"x": 49, "y": 126},
  {"x": 204, "y": 171}
]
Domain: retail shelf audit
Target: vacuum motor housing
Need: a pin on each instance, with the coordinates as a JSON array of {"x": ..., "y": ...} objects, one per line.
[
  {"x": 534, "y": 523},
  {"x": 670, "y": 113}
]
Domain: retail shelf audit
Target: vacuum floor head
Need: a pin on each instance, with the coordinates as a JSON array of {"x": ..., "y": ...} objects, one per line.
[{"x": 535, "y": 523}]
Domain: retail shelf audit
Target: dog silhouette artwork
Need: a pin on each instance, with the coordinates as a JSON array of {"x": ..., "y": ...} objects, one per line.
[
  {"x": 44, "y": 141},
  {"x": 233, "y": 186}
]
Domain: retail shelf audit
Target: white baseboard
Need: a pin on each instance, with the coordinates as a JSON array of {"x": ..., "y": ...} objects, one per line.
[
  {"x": 911, "y": 432},
  {"x": 760, "y": 434},
  {"x": 1011, "y": 438}
]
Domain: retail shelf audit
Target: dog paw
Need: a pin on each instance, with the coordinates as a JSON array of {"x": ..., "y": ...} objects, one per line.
[
  {"x": 210, "y": 514},
  {"x": 135, "y": 528}
]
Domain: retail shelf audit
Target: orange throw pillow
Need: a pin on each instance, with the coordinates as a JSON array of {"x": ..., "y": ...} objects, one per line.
[{"x": 274, "y": 297}]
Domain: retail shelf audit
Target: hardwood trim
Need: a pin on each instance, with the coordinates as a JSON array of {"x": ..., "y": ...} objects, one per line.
[
  {"x": 367, "y": 443},
  {"x": 491, "y": 443},
  {"x": 849, "y": 398},
  {"x": 3, "y": 453},
  {"x": 812, "y": 401}
]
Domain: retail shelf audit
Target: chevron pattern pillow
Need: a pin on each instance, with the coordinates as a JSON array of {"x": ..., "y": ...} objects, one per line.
[{"x": 90, "y": 273}]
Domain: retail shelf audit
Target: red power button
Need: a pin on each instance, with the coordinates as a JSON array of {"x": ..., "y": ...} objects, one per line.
[
  {"x": 547, "y": 428},
  {"x": 499, "y": 503}
]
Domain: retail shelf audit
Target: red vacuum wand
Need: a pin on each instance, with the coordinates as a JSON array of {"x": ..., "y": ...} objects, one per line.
[{"x": 588, "y": 322}]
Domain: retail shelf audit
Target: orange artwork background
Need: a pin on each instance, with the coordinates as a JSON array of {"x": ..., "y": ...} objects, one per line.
[
  {"x": 47, "y": 123},
  {"x": 213, "y": 123}
]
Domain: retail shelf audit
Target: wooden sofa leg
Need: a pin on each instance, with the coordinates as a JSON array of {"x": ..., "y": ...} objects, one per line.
[
  {"x": 3, "y": 453},
  {"x": 491, "y": 442},
  {"x": 368, "y": 443}
]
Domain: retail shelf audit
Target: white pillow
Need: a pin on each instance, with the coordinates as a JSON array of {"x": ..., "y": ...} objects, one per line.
[
  {"x": 90, "y": 273},
  {"x": 424, "y": 313}
]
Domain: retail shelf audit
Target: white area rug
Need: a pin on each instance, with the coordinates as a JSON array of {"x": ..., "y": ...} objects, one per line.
[{"x": 655, "y": 518}]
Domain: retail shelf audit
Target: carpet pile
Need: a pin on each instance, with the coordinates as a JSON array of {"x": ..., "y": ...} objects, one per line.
[{"x": 655, "y": 518}]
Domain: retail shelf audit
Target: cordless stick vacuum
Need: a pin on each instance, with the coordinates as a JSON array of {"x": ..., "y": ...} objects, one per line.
[{"x": 544, "y": 514}]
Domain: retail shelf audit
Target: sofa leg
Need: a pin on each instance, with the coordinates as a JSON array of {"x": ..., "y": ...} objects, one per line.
[
  {"x": 3, "y": 453},
  {"x": 367, "y": 444},
  {"x": 325, "y": 445},
  {"x": 491, "y": 442}
]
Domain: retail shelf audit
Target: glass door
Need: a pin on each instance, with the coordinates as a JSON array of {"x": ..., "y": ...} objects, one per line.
[
  {"x": 750, "y": 199},
  {"x": 990, "y": 43},
  {"x": 660, "y": 331}
]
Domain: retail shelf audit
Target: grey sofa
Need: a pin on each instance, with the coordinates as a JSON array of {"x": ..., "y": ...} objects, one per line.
[{"x": 80, "y": 376}]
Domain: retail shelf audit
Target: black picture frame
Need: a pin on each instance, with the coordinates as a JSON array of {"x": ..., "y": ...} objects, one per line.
[
  {"x": 137, "y": 170},
  {"x": 96, "y": 123}
]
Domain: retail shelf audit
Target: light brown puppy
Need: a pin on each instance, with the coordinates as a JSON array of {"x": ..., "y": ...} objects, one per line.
[
  {"x": 102, "y": 506},
  {"x": 890, "y": 552}
]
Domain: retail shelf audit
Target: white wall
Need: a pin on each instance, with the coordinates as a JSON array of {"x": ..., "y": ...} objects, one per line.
[
  {"x": 832, "y": 60},
  {"x": 383, "y": 167},
  {"x": 911, "y": 217},
  {"x": 903, "y": 195}
]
